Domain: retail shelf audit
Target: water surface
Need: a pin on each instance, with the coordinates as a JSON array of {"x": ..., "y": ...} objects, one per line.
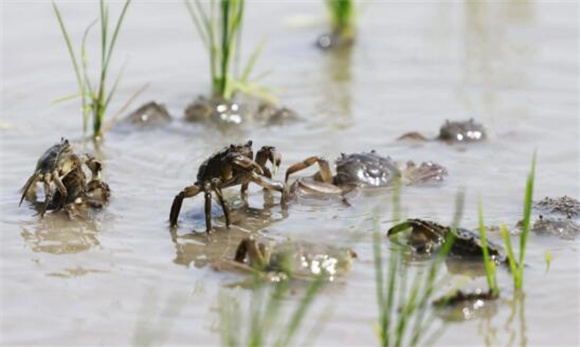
[{"x": 511, "y": 65}]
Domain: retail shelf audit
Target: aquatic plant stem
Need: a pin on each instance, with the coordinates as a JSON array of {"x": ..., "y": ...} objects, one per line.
[
  {"x": 487, "y": 262},
  {"x": 219, "y": 27},
  {"x": 526, "y": 225},
  {"x": 94, "y": 104},
  {"x": 342, "y": 15}
]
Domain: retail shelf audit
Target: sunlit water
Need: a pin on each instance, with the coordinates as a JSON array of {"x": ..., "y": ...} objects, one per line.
[{"x": 511, "y": 65}]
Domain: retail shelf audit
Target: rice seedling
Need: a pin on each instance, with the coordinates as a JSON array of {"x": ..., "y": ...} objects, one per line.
[
  {"x": 95, "y": 99},
  {"x": 219, "y": 26},
  {"x": 548, "y": 259},
  {"x": 489, "y": 264},
  {"x": 265, "y": 322},
  {"x": 342, "y": 17},
  {"x": 403, "y": 313},
  {"x": 517, "y": 266},
  {"x": 403, "y": 316}
]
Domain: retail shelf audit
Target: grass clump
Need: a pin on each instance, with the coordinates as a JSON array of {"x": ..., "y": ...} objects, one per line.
[
  {"x": 489, "y": 264},
  {"x": 342, "y": 16},
  {"x": 517, "y": 266},
  {"x": 263, "y": 323},
  {"x": 403, "y": 316},
  {"x": 95, "y": 98},
  {"x": 219, "y": 25},
  {"x": 403, "y": 313}
]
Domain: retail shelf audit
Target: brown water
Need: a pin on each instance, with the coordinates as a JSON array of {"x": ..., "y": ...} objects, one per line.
[{"x": 512, "y": 65}]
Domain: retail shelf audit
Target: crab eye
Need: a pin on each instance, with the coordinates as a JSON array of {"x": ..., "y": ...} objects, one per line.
[{"x": 249, "y": 144}]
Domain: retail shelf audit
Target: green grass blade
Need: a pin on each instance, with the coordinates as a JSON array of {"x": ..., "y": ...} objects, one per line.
[
  {"x": 66, "y": 98},
  {"x": 68, "y": 45},
  {"x": 87, "y": 88},
  {"x": 409, "y": 308},
  {"x": 420, "y": 328},
  {"x": 230, "y": 320},
  {"x": 527, "y": 216},
  {"x": 251, "y": 63},
  {"x": 489, "y": 269},
  {"x": 116, "y": 34},
  {"x": 256, "y": 333},
  {"x": 510, "y": 251},
  {"x": 197, "y": 21},
  {"x": 104, "y": 25},
  {"x": 390, "y": 296},
  {"x": 114, "y": 88},
  {"x": 459, "y": 206},
  {"x": 378, "y": 261},
  {"x": 548, "y": 259},
  {"x": 301, "y": 310}
]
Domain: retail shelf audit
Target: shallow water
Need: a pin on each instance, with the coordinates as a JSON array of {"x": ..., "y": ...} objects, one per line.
[{"x": 510, "y": 65}]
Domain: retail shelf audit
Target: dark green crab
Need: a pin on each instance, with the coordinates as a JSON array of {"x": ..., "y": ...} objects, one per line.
[{"x": 426, "y": 237}]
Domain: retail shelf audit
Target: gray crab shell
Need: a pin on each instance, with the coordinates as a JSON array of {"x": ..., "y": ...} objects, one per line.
[{"x": 366, "y": 169}]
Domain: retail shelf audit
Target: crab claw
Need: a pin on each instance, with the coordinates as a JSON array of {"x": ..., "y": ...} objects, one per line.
[
  {"x": 269, "y": 153},
  {"x": 94, "y": 165},
  {"x": 244, "y": 162}
]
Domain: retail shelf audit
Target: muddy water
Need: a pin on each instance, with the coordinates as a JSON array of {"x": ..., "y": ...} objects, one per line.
[{"x": 123, "y": 278}]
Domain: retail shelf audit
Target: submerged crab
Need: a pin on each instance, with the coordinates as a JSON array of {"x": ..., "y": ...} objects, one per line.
[
  {"x": 463, "y": 305},
  {"x": 427, "y": 237},
  {"x": 150, "y": 114},
  {"x": 454, "y": 131},
  {"x": 360, "y": 170},
  {"x": 52, "y": 167},
  {"x": 299, "y": 260},
  {"x": 565, "y": 206},
  {"x": 559, "y": 217},
  {"x": 231, "y": 166},
  {"x": 242, "y": 109}
]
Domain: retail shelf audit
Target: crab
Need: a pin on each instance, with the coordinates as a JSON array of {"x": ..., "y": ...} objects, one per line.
[
  {"x": 52, "y": 167},
  {"x": 462, "y": 305},
  {"x": 565, "y": 205},
  {"x": 453, "y": 132},
  {"x": 559, "y": 217},
  {"x": 359, "y": 170},
  {"x": 426, "y": 237},
  {"x": 233, "y": 165},
  {"x": 149, "y": 115},
  {"x": 80, "y": 193},
  {"x": 241, "y": 109},
  {"x": 298, "y": 260}
]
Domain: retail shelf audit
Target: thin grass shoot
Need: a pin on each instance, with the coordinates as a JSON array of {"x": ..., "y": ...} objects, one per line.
[
  {"x": 342, "y": 17},
  {"x": 265, "y": 322},
  {"x": 219, "y": 26},
  {"x": 489, "y": 264},
  {"x": 517, "y": 266},
  {"x": 95, "y": 98}
]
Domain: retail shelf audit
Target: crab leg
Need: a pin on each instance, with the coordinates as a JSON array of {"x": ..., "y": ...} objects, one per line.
[
  {"x": 188, "y": 192},
  {"x": 207, "y": 196},
  {"x": 267, "y": 183},
  {"x": 218, "y": 192},
  {"x": 250, "y": 249},
  {"x": 31, "y": 182},
  {"x": 242, "y": 251},
  {"x": 61, "y": 188},
  {"x": 47, "y": 194},
  {"x": 244, "y": 190},
  {"x": 325, "y": 175}
]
